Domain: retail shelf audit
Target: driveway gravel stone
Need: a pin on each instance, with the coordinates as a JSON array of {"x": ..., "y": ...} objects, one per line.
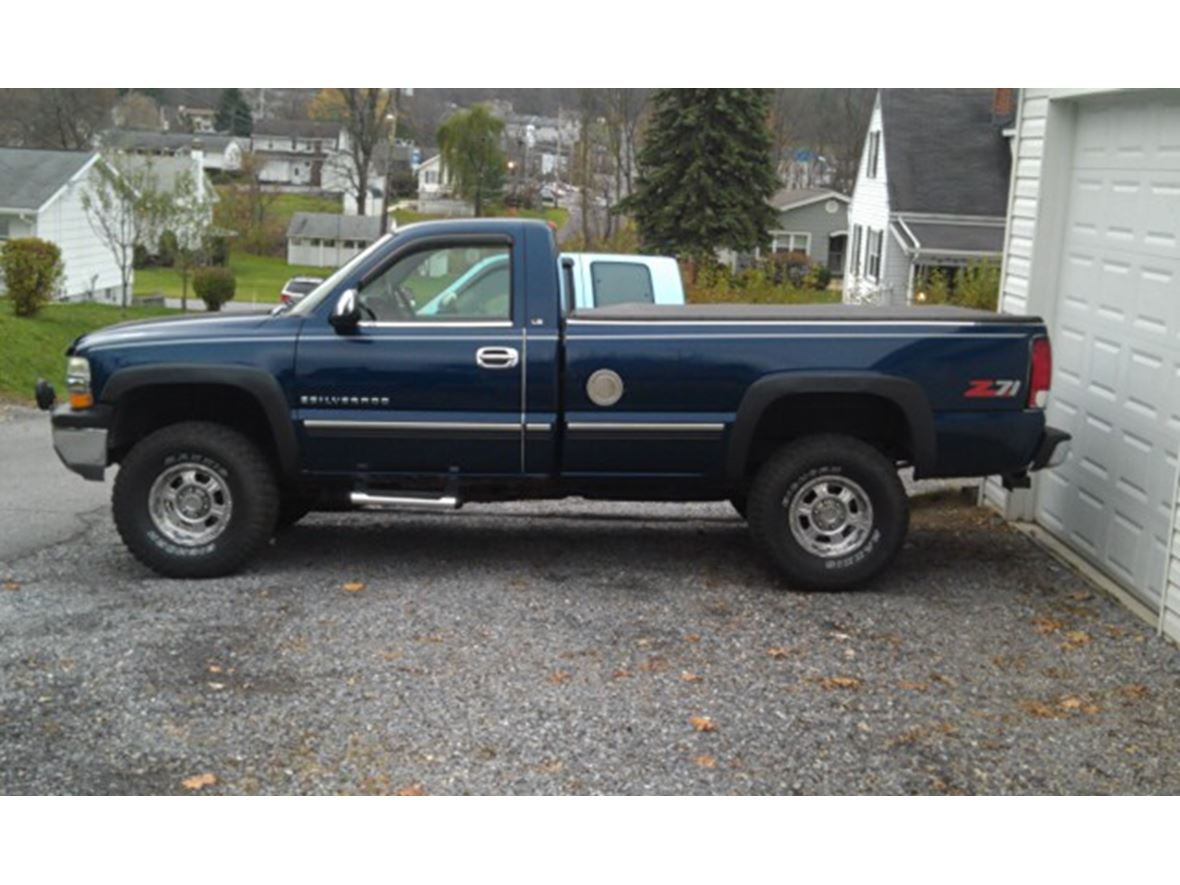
[{"x": 578, "y": 647}]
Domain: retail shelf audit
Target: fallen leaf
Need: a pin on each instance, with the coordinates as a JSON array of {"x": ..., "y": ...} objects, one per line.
[
  {"x": 1039, "y": 709},
  {"x": 199, "y": 781},
  {"x": 552, "y": 767},
  {"x": 1091, "y": 709},
  {"x": 831, "y": 682},
  {"x": 1135, "y": 691},
  {"x": 906, "y": 685},
  {"x": 705, "y": 761},
  {"x": 693, "y": 637},
  {"x": 353, "y": 586},
  {"x": 702, "y": 723},
  {"x": 690, "y": 677},
  {"x": 216, "y": 686},
  {"x": 1081, "y": 595},
  {"x": 1046, "y": 625},
  {"x": 1071, "y": 703},
  {"x": 621, "y": 674},
  {"x": 1076, "y": 639},
  {"x": 778, "y": 652},
  {"x": 557, "y": 677},
  {"x": 654, "y": 664},
  {"x": 214, "y": 668},
  {"x": 12, "y": 585},
  {"x": 412, "y": 790}
]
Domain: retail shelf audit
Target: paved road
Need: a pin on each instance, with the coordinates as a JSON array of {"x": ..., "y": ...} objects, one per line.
[{"x": 41, "y": 502}]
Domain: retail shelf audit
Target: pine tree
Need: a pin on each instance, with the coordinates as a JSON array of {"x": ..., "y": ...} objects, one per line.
[
  {"x": 705, "y": 173},
  {"x": 233, "y": 113}
]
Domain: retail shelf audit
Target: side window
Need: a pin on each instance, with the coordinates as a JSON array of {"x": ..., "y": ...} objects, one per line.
[
  {"x": 618, "y": 282},
  {"x": 471, "y": 283}
]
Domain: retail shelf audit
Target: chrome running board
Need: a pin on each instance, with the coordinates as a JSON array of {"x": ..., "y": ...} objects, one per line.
[{"x": 407, "y": 501}]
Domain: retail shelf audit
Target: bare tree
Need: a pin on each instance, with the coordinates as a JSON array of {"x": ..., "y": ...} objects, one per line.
[
  {"x": 366, "y": 115},
  {"x": 123, "y": 207},
  {"x": 64, "y": 119}
]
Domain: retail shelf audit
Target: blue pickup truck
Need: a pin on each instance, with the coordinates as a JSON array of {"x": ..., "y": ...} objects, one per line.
[{"x": 227, "y": 429}]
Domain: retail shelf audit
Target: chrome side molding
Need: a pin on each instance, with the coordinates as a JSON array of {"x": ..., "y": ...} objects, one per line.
[{"x": 405, "y": 501}]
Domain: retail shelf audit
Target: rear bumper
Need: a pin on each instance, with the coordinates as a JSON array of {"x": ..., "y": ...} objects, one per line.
[
  {"x": 80, "y": 439},
  {"x": 1051, "y": 451}
]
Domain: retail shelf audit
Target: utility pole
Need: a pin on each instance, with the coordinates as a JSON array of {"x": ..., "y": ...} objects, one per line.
[{"x": 391, "y": 116}]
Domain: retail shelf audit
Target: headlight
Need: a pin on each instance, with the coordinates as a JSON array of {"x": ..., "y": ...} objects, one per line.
[{"x": 78, "y": 382}]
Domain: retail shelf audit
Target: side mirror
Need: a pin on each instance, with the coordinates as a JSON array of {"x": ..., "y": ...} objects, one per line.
[{"x": 346, "y": 313}]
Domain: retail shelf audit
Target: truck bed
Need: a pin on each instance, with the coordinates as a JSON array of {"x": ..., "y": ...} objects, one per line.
[{"x": 798, "y": 313}]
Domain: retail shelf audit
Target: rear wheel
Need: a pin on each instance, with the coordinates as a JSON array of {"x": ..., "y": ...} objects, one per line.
[
  {"x": 829, "y": 511},
  {"x": 195, "y": 500}
]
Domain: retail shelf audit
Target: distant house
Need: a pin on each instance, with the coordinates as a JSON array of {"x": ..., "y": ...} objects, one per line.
[
  {"x": 813, "y": 221},
  {"x": 931, "y": 192},
  {"x": 434, "y": 182},
  {"x": 217, "y": 153},
  {"x": 197, "y": 119},
  {"x": 321, "y": 239},
  {"x": 293, "y": 152},
  {"x": 41, "y": 196},
  {"x": 806, "y": 169}
]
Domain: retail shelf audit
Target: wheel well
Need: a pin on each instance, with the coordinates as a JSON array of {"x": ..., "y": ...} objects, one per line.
[
  {"x": 144, "y": 410},
  {"x": 874, "y": 419}
]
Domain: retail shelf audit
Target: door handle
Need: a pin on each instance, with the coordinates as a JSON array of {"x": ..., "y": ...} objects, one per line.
[{"x": 497, "y": 357}]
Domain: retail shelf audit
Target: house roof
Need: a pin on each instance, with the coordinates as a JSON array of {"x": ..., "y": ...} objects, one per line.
[
  {"x": 29, "y": 178},
  {"x": 943, "y": 152},
  {"x": 930, "y": 239},
  {"x": 142, "y": 140},
  {"x": 795, "y": 198},
  {"x": 327, "y": 225},
  {"x": 297, "y": 128}
]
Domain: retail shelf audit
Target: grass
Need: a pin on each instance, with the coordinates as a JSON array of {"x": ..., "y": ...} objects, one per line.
[
  {"x": 34, "y": 347},
  {"x": 280, "y": 207},
  {"x": 260, "y": 277}
]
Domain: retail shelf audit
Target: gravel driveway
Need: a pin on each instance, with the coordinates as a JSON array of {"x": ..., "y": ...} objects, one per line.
[{"x": 578, "y": 648}]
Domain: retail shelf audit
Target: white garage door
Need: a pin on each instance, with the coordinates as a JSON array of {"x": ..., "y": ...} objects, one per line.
[{"x": 1116, "y": 384}]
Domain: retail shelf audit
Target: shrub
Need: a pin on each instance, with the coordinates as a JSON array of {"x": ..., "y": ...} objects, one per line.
[
  {"x": 32, "y": 270},
  {"x": 976, "y": 285},
  {"x": 214, "y": 286},
  {"x": 218, "y": 248},
  {"x": 168, "y": 249}
]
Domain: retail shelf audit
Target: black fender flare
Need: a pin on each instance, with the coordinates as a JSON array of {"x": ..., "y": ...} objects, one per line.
[
  {"x": 260, "y": 385},
  {"x": 907, "y": 395}
]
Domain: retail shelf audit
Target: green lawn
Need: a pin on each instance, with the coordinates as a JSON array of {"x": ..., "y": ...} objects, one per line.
[
  {"x": 260, "y": 277},
  {"x": 34, "y": 347},
  {"x": 280, "y": 207}
]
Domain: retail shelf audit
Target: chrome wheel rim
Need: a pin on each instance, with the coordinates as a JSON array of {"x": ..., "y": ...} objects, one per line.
[
  {"x": 190, "y": 504},
  {"x": 830, "y": 516}
]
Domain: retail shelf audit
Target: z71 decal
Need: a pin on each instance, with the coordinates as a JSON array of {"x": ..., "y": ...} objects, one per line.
[{"x": 991, "y": 388}]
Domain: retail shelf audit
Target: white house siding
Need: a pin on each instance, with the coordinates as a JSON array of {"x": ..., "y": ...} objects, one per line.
[
  {"x": 870, "y": 210},
  {"x": 1093, "y": 246},
  {"x": 90, "y": 268}
]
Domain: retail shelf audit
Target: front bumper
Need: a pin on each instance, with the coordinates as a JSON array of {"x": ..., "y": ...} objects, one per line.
[{"x": 80, "y": 439}]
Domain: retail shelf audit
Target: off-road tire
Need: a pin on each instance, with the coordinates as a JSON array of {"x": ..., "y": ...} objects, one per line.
[
  {"x": 236, "y": 460},
  {"x": 794, "y": 466}
]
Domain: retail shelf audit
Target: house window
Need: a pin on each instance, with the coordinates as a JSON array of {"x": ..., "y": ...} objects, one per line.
[
  {"x": 873, "y": 272},
  {"x": 431, "y": 177},
  {"x": 874, "y": 153},
  {"x": 786, "y": 241},
  {"x": 854, "y": 267}
]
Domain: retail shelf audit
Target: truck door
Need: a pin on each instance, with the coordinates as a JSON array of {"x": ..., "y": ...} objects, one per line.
[{"x": 430, "y": 382}]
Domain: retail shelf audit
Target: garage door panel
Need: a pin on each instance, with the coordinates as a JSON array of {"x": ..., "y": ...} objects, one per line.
[{"x": 1117, "y": 340}]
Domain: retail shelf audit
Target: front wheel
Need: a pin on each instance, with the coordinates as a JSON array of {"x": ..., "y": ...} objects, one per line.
[
  {"x": 829, "y": 511},
  {"x": 195, "y": 500}
]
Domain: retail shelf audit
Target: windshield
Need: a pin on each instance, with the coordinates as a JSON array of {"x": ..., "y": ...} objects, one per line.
[{"x": 312, "y": 301}]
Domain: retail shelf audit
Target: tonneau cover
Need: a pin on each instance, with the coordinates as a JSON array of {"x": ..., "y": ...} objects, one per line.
[{"x": 825, "y": 313}]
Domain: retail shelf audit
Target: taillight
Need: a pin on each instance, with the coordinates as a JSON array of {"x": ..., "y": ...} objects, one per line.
[{"x": 1041, "y": 373}]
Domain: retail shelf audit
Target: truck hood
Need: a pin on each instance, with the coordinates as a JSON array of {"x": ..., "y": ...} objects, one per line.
[{"x": 186, "y": 328}]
